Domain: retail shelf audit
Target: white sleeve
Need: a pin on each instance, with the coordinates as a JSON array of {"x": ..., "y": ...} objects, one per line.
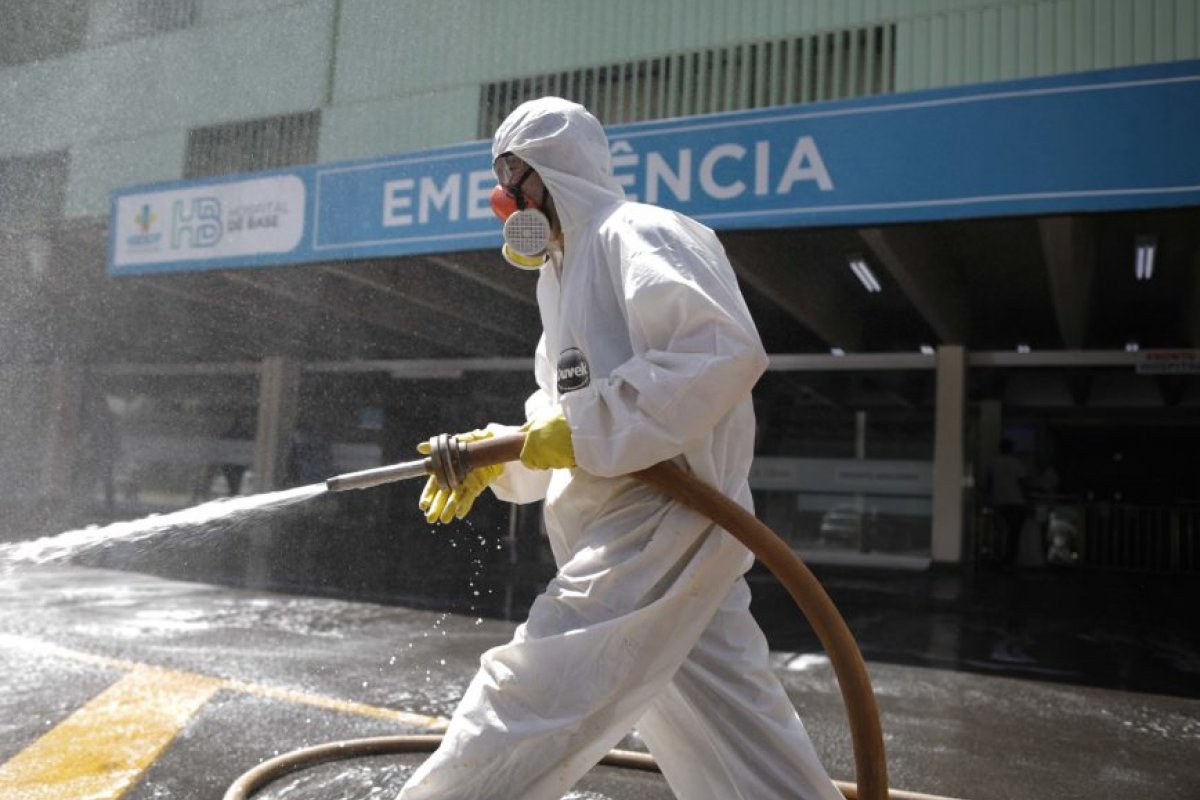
[
  {"x": 518, "y": 483},
  {"x": 696, "y": 351}
]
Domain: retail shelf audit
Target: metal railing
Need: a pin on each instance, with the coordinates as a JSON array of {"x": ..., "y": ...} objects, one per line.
[
  {"x": 1141, "y": 538},
  {"x": 825, "y": 65},
  {"x": 252, "y": 145},
  {"x": 1104, "y": 536}
]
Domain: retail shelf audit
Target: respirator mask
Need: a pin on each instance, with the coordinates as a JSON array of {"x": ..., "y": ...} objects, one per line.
[{"x": 526, "y": 227}]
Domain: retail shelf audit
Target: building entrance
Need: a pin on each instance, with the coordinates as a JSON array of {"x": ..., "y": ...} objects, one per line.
[{"x": 1101, "y": 453}]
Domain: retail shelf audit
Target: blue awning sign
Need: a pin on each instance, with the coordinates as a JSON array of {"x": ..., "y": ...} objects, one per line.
[{"x": 1099, "y": 141}]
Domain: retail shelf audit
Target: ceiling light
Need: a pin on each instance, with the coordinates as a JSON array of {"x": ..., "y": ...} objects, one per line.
[
  {"x": 1143, "y": 265},
  {"x": 926, "y": 350},
  {"x": 1131, "y": 347},
  {"x": 858, "y": 265},
  {"x": 837, "y": 351},
  {"x": 1024, "y": 348}
]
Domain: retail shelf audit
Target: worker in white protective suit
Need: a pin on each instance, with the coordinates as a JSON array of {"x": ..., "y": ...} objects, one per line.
[{"x": 648, "y": 353}]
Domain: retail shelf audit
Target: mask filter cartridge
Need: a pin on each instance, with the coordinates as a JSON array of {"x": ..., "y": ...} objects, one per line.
[{"x": 526, "y": 237}]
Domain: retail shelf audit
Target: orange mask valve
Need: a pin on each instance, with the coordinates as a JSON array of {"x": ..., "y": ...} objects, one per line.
[{"x": 504, "y": 202}]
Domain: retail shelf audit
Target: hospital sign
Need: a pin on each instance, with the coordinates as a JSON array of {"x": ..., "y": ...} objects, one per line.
[{"x": 1100, "y": 141}]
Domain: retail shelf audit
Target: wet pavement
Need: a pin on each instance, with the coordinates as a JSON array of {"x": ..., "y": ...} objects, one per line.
[
  {"x": 268, "y": 673},
  {"x": 1125, "y": 631}
]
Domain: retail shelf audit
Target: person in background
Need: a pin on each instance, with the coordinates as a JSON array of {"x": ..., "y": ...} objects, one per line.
[
  {"x": 1007, "y": 487},
  {"x": 648, "y": 353},
  {"x": 99, "y": 449},
  {"x": 310, "y": 457}
]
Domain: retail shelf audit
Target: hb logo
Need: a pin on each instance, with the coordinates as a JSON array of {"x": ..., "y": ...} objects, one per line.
[
  {"x": 199, "y": 225},
  {"x": 573, "y": 372}
]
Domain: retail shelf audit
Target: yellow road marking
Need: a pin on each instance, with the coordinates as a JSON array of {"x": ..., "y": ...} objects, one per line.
[
  {"x": 99, "y": 751},
  {"x": 103, "y": 748},
  {"x": 432, "y": 723}
]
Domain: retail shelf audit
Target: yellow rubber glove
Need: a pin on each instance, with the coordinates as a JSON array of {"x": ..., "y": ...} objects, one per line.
[
  {"x": 441, "y": 503},
  {"x": 548, "y": 441}
]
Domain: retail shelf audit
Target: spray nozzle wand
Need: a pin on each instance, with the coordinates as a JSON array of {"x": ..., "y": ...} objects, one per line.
[{"x": 449, "y": 459}]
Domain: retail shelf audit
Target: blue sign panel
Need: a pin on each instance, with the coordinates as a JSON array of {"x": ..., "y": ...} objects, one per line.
[
  {"x": 1111, "y": 140},
  {"x": 427, "y": 202}
]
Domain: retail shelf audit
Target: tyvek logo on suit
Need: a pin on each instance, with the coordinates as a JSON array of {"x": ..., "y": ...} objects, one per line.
[{"x": 573, "y": 371}]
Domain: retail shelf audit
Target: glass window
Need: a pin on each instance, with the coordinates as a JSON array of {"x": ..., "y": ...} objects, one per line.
[{"x": 844, "y": 464}]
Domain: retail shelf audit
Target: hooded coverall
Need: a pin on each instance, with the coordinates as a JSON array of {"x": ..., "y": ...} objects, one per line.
[{"x": 649, "y": 348}]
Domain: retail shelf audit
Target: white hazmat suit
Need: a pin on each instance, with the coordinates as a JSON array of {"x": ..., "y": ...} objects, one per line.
[{"x": 649, "y": 347}]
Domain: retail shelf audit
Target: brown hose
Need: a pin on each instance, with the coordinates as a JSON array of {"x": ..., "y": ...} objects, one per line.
[
  {"x": 866, "y": 735},
  {"x": 870, "y": 761},
  {"x": 275, "y": 768}
]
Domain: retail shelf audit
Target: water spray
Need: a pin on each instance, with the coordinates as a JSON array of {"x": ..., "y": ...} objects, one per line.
[
  {"x": 220, "y": 515},
  {"x": 449, "y": 459}
]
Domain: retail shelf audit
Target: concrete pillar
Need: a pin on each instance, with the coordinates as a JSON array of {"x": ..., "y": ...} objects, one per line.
[
  {"x": 860, "y": 434},
  {"x": 947, "y": 543},
  {"x": 278, "y": 401}
]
